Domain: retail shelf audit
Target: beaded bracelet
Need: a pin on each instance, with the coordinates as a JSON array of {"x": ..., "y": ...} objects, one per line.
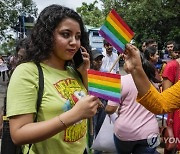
[{"x": 62, "y": 122}]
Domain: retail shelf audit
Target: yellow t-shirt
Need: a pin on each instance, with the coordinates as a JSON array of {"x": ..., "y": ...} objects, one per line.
[
  {"x": 159, "y": 103},
  {"x": 62, "y": 89}
]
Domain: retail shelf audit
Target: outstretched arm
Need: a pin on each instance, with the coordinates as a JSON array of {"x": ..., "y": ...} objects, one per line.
[{"x": 148, "y": 96}]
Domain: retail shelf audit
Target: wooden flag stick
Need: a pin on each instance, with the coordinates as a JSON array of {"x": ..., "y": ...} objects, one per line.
[
  {"x": 115, "y": 62},
  {"x": 91, "y": 131}
]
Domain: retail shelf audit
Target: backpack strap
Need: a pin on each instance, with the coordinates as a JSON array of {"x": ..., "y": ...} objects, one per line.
[
  {"x": 40, "y": 93},
  {"x": 41, "y": 88}
]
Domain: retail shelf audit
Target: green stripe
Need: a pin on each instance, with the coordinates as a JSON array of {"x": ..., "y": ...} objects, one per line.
[
  {"x": 108, "y": 88},
  {"x": 115, "y": 32}
]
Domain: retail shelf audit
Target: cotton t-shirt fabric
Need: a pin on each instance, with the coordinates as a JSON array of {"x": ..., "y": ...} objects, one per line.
[
  {"x": 134, "y": 121},
  {"x": 108, "y": 61},
  {"x": 170, "y": 71},
  {"x": 62, "y": 89}
]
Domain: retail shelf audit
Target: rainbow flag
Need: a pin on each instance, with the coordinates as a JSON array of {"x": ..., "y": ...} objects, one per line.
[
  {"x": 104, "y": 85},
  {"x": 116, "y": 31}
]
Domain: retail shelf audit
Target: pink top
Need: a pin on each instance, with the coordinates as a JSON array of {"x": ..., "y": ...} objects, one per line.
[
  {"x": 134, "y": 121},
  {"x": 170, "y": 71}
]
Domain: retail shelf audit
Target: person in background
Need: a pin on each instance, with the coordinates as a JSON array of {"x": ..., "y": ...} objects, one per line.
[
  {"x": 175, "y": 52},
  {"x": 143, "y": 47},
  {"x": 171, "y": 75},
  {"x": 99, "y": 117},
  {"x": 148, "y": 96},
  {"x": 8, "y": 64},
  {"x": 109, "y": 58},
  {"x": 61, "y": 128},
  {"x": 169, "y": 50},
  {"x": 135, "y": 127},
  {"x": 20, "y": 54},
  {"x": 151, "y": 43},
  {"x": 1, "y": 62},
  {"x": 151, "y": 54},
  {"x": 3, "y": 73}
]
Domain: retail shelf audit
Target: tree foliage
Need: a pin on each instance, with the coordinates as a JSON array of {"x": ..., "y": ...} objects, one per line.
[
  {"x": 10, "y": 10},
  {"x": 158, "y": 19},
  {"x": 91, "y": 14}
]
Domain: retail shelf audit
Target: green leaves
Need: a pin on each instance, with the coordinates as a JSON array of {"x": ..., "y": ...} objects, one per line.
[
  {"x": 91, "y": 14},
  {"x": 158, "y": 19},
  {"x": 10, "y": 10}
]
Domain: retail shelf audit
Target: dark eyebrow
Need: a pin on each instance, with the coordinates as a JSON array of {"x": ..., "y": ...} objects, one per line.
[{"x": 68, "y": 30}]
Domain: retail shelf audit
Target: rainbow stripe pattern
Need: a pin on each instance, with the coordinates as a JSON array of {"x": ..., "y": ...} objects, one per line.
[
  {"x": 104, "y": 85},
  {"x": 116, "y": 31}
]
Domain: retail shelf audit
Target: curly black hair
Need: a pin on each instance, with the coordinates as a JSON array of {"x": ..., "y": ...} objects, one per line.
[{"x": 41, "y": 39}]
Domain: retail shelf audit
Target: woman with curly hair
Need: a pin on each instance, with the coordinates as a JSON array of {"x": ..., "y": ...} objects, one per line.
[{"x": 61, "y": 128}]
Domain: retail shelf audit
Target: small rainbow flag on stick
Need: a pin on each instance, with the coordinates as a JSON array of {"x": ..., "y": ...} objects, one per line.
[
  {"x": 116, "y": 31},
  {"x": 104, "y": 85}
]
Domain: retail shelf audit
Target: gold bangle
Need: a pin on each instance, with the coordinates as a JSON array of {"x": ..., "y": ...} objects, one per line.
[{"x": 62, "y": 122}]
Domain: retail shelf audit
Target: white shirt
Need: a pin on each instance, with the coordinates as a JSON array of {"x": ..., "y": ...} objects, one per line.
[{"x": 108, "y": 61}]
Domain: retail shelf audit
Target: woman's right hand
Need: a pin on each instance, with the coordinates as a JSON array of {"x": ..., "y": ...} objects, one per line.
[
  {"x": 86, "y": 107},
  {"x": 132, "y": 58}
]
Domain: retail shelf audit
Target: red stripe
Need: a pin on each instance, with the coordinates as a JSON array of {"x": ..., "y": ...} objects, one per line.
[
  {"x": 122, "y": 22},
  {"x": 111, "y": 75}
]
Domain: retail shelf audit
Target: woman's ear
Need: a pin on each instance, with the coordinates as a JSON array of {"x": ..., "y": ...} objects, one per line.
[{"x": 151, "y": 56}]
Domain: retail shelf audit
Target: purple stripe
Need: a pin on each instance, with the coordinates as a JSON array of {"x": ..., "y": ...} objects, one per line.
[
  {"x": 106, "y": 37},
  {"x": 117, "y": 100},
  {"x": 113, "y": 36}
]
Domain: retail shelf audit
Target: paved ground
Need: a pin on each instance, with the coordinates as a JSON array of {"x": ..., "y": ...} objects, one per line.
[{"x": 3, "y": 86}]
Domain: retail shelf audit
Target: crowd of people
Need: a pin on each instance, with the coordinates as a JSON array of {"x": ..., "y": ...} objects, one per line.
[{"x": 151, "y": 86}]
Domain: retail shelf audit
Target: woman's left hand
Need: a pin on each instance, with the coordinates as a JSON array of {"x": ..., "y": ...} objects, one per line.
[{"x": 86, "y": 61}]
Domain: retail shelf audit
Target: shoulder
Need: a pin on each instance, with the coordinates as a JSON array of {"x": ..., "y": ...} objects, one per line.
[
  {"x": 170, "y": 67},
  {"x": 29, "y": 67},
  {"x": 172, "y": 63},
  {"x": 25, "y": 71}
]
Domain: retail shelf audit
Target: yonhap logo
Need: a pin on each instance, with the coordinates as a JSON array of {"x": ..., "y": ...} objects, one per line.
[{"x": 153, "y": 140}]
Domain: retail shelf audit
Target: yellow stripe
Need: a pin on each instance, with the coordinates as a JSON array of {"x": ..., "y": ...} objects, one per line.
[
  {"x": 120, "y": 25},
  {"x": 106, "y": 83},
  {"x": 104, "y": 78},
  {"x": 117, "y": 28}
]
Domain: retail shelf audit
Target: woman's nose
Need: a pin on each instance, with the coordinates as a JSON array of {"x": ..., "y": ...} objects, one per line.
[{"x": 73, "y": 40}]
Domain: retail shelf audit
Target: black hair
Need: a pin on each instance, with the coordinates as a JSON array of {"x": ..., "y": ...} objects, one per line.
[
  {"x": 105, "y": 42},
  {"x": 170, "y": 42},
  {"x": 150, "y": 41},
  {"x": 22, "y": 44},
  {"x": 176, "y": 47},
  {"x": 149, "y": 69},
  {"x": 41, "y": 39},
  {"x": 149, "y": 51}
]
